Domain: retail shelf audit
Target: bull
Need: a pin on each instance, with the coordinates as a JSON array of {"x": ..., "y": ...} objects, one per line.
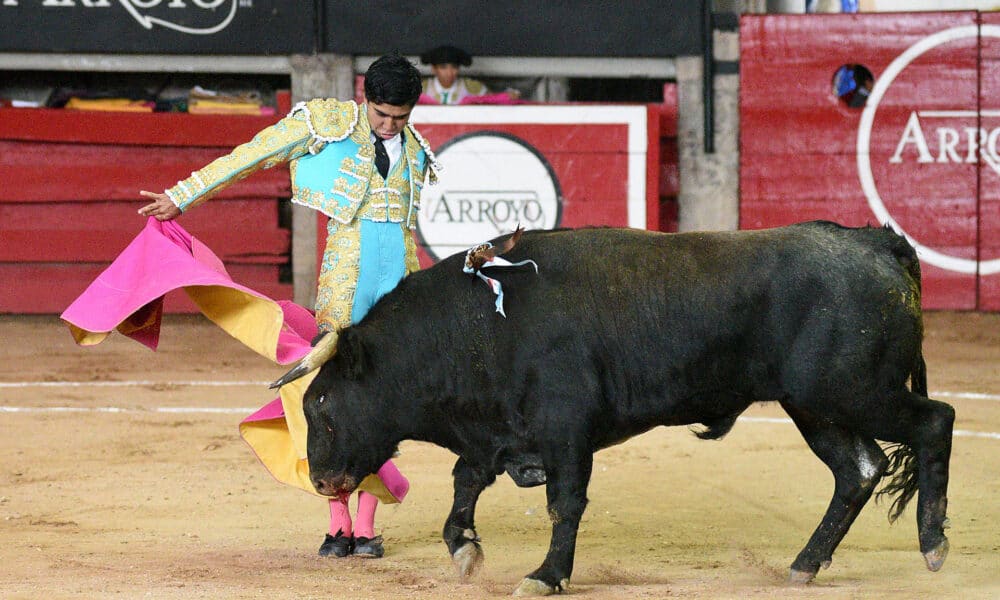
[{"x": 620, "y": 331}]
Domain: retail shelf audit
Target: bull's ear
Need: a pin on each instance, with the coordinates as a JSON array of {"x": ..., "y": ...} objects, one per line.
[{"x": 354, "y": 354}]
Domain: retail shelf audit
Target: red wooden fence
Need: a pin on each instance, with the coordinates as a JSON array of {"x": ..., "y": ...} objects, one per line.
[
  {"x": 70, "y": 190},
  {"x": 70, "y": 183},
  {"x": 911, "y": 158}
]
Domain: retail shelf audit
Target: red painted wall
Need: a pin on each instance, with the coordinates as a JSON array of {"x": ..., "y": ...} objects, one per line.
[
  {"x": 70, "y": 183},
  {"x": 70, "y": 190},
  {"x": 989, "y": 173},
  {"x": 805, "y": 155}
]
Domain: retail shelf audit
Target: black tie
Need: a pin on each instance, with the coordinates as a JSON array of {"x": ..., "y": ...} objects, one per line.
[{"x": 381, "y": 158}]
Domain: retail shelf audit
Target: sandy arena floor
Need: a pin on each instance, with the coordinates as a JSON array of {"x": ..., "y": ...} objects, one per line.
[{"x": 119, "y": 496}]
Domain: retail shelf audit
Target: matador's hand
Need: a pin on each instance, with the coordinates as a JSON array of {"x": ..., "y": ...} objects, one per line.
[{"x": 162, "y": 207}]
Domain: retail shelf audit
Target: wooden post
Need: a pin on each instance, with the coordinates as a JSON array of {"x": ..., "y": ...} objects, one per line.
[{"x": 314, "y": 76}]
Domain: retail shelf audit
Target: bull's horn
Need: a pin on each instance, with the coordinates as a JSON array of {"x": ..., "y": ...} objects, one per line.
[{"x": 321, "y": 352}]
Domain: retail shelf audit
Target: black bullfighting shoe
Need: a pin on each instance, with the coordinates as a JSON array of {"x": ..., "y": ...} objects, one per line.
[
  {"x": 369, "y": 548},
  {"x": 338, "y": 545}
]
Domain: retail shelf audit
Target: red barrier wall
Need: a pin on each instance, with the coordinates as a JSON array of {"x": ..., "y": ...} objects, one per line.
[
  {"x": 69, "y": 189},
  {"x": 70, "y": 183},
  {"x": 989, "y": 173},
  {"x": 909, "y": 158}
]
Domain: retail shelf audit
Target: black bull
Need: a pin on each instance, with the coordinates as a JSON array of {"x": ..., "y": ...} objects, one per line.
[{"x": 621, "y": 331}]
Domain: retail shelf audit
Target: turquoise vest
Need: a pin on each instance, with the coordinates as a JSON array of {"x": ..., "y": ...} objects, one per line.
[{"x": 335, "y": 177}]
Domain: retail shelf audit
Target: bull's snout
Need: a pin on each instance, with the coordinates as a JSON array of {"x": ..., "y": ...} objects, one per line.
[{"x": 333, "y": 484}]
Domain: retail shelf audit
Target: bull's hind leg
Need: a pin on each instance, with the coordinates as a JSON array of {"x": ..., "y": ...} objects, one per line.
[
  {"x": 933, "y": 458},
  {"x": 925, "y": 426},
  {"x": 460, "y": 528},
  {"x": 857, "y": 464},
  {"x": 568, "y": 468}
]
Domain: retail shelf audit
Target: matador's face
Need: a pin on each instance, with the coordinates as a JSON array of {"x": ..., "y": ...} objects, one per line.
[
  {"x": 446, "y": 74},
  {"x": 388, "y": 120}
]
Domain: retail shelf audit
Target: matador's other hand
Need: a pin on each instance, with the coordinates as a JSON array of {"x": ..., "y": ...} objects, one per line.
[{"x": 162, "y": 207}]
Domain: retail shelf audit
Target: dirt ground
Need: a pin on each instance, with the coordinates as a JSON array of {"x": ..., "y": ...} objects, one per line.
[{"x": 112, "y": 487}]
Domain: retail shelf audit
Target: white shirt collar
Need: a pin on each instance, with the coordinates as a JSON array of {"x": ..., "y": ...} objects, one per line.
[{"x": 393, "y": 147}]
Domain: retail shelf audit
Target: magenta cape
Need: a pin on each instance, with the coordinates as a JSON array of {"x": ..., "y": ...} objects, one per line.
[{"x": 128, "y": 297}]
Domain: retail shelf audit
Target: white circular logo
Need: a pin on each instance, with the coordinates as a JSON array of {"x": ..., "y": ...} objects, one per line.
[
  {"x": 491, "y": 183},
  {"x": 148, "y": 21},
  {"x": 912, "y": 133}
]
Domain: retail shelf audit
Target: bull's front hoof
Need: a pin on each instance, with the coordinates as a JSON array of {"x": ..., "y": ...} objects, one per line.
[
  {"x": 467, "y": 560},
  {"x": 935, "y": 558},
  {"x": 796, "y": 577},
  {"x": 534, "y": 587}
]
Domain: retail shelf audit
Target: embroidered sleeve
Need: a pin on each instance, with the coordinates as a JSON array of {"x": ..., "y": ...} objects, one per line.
[
  {"x": 431, "y": 166},
  {"x": 286, "y": 140}
]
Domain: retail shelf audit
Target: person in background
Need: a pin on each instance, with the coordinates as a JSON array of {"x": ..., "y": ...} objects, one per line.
[
  {"x": 447, "y": 87},
  {"x": 363, "y": 166},
  {"x": 853, "y": 84}
]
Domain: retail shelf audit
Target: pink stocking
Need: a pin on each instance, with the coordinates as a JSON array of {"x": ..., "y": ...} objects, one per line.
[
  {"x": 367, "y": 504},
  {"x": 340, "y": 517}
]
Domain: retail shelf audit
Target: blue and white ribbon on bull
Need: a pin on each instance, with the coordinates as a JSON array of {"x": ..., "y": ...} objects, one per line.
[{"x": 488, "y": 255}]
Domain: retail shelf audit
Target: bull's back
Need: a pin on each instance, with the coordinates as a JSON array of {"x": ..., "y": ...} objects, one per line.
[
  {"x": 631, "y": 284},
  {"x": 687, "y": 324},
  {"x": 816, "y": 264}
]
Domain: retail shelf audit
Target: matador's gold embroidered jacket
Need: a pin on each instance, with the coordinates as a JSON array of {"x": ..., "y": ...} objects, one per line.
[{"x": 328, "y": 146}]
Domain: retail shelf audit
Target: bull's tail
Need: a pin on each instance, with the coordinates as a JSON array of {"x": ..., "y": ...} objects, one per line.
[
  {"x": 918, "y": 376},
  {"x": 902, "y": 474},
  {"x": 902, "y": 469}
]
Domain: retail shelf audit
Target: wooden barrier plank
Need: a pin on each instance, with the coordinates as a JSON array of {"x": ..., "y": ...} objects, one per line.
[
  {"x": 833, "y": 130},
  {"x": 138, "y": 129},
  {"x": 79, "y": 172},
  {"x": 799, "y": 39},
  {"x": 947, "y": 290},
  {"x": 989, "y": 242},
  {"x": 828, "y": 188},
  {"x": 989, "y": 170},
  {"x": 670, "y": 175},
  {"x": 950, "y": 69},
  {"x": 548, "y": 139},
  {"x": 668, "y": 111},
  {"x": 89, "y": 245},
  {"x": 989, "y": 250},
  {"x": 586, "y": 189},
  {"x": 245, "y": 214}
]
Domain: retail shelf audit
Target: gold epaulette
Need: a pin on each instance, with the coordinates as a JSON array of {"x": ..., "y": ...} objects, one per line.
[{"x": 329, "y": 120}]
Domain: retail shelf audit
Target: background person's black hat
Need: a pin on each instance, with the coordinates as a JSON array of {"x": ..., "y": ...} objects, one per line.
[{"x": 446, "y": 55}]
